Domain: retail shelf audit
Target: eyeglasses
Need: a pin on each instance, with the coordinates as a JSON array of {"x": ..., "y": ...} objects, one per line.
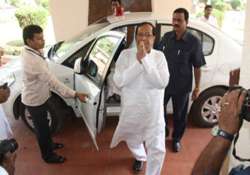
[{"x": 147, "y": 35}]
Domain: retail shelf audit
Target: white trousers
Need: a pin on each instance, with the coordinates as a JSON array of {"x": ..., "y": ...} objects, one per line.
[
  {"x": 155, "y": 153},
  {"x": 5, "y": 130}
]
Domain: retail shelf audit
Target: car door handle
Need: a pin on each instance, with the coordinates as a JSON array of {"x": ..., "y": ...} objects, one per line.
[
  {"x": 94, "y": 103},
  {"x": 66, "y": 81}
]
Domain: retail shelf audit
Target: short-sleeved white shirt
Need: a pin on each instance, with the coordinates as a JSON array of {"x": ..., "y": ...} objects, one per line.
[{"x": 3, "y": 171}]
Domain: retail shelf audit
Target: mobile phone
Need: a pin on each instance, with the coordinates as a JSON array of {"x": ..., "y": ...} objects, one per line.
[{"x": 4, "y": 86}]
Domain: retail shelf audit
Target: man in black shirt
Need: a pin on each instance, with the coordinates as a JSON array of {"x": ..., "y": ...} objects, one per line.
[{"x": 183, "y": 53}]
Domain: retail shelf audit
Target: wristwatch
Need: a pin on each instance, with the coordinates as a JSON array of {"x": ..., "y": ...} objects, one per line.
[{"x": 217, "y": 132}]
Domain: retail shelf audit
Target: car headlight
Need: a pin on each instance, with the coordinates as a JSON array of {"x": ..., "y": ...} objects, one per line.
[{"x": 9, "y": 78}]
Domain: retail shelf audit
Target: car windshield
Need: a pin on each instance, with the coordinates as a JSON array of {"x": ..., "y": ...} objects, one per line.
[{"x": 62, "y": 47}]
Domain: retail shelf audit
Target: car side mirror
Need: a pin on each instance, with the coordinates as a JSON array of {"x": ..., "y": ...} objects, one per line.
[
  {"x": 92, "y": 69},
  {"x": 77, "y": 66}
]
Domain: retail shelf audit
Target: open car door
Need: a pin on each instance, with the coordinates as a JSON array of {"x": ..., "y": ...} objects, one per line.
[{"x": 94, "y": 68}]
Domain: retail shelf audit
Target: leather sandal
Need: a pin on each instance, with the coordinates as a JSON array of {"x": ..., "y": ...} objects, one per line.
[
  {"x": 57, "y": 146},
  {"x": 54, "y": 158}
]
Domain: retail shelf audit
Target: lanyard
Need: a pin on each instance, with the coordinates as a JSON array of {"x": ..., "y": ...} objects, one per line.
[{"x": 36, "y": 53}]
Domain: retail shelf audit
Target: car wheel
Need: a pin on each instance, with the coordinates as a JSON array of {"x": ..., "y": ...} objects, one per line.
[
  {"x": 205, "y": 110},
  {"x": 54, "y": 116}
]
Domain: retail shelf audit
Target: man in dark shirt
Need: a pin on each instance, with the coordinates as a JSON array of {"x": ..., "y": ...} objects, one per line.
[{"x": 183, "y": 53}]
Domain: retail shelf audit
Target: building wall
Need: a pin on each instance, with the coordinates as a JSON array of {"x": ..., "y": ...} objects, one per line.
[
  {"x": 245, "y": 71},
  {"x": 71, "y": 17},
  {"x": 97, "y": 13},
  {"x": 166, "y": 7},
  {"x": 244, "y": 139}
]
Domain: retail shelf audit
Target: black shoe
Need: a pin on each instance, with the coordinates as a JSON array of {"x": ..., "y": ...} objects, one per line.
[
  {"x": 117, "y": 98},
  {"x": 137, "y": 166},
  {"x": 54, "y": 158},
  {"x": 57, "y": 146},
  {"x": 111, "y": 99},
  {"x": 176, "y": 146},
  {"x": 166, "y": 132}
]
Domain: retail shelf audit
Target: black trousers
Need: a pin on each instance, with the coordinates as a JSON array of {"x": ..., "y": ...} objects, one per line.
[
  {"x": 180, "y": 107},
  {"x": 41, "y": 126}
]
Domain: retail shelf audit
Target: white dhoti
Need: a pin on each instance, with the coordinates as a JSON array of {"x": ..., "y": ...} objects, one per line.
[{"x": 155, "y": 155}]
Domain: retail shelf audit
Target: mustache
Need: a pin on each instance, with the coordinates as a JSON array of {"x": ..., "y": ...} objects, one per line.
[{"x": 176, "y": 25}]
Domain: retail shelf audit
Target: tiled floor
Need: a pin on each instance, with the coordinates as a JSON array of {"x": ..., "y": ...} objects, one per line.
[{"x": 84, "y": 159}]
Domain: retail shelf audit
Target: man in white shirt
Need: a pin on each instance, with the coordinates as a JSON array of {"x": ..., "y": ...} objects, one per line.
[
  {"x": 7, "y": 162},
  {"x": 37, "y": 82},
  {"x": 208, "y": 18},
  {"x": 3, "y": 171},
  {"x": 142, "y": 75},
  {"x": 5, "y": 130}
]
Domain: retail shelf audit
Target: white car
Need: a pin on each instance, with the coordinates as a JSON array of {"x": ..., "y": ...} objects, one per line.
[{"x": 83, "y": 64}]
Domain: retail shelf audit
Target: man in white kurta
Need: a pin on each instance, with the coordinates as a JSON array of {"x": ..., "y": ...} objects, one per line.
[{"x": 142, "y": 75}]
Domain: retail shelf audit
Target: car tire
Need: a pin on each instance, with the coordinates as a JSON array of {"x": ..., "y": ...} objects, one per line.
[
  {"x": 205, "y": 110},
  {"x": 55, "y": 117}
]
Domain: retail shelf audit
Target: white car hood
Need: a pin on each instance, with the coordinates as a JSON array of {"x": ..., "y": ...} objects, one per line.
[{"x": 13, "y": 66}]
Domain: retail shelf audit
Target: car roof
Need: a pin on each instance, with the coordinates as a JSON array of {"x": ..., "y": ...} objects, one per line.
[
  {"x": 138, "y": 17},
  {"x": 132, "y": 16}
]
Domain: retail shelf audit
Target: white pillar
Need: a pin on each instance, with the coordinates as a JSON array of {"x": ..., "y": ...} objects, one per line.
[
  {"x": 69, "y": 17},
  {"x": 245, "y": 66},
  {"x": 165, "y": 8},
  {"x": 244, "y": 139}
]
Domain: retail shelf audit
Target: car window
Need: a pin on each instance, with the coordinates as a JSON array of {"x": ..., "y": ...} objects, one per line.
[
  {"x": 66, "y": 45},
  {"x": 99, "y": 59},
  {"x": 207, "y": 45},
  {"x": 206, "y": 41},
  {"x": 129, "y": 30},
  {"x": 70, "y": 62}
]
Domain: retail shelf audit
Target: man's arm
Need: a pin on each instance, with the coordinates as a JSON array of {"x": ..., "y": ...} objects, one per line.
[
  {"x": 9, "y": 163},
  {"x": 211, "y": 159},
  {"x": 197, "y": 78},
  {"x": 161, "y": 44}
]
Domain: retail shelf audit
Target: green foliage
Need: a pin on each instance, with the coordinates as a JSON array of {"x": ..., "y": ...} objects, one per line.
[
  {"x": 17, "y": 43},
  {"x": 16, "y": 3},
  {"x": 13, "y": 47},
  {"x": 31, "y": 15},
  {"x": 219, "y": 5},
  {"x": 236, "y": 4},
  {"x": 219, "y": 15},
  {"x": 44, "y": 3}
]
